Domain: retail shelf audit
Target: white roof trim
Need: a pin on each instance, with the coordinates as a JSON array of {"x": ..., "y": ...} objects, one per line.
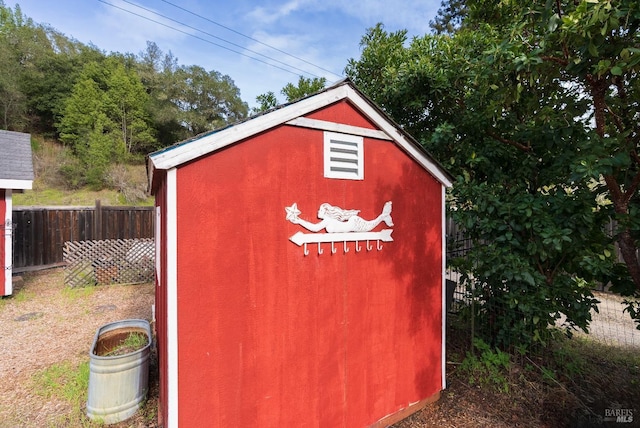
[
  {"x": 174, "y": 156},
  {"x": 340, "y": 128},
  {"x": 6, "y": 183}
]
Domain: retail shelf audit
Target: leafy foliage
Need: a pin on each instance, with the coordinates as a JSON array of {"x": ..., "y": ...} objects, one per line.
[
  {"x": 103, "y": 118},
  {"x": 531, "y": 105},
  {"x": 488, "y": 368},
  {"x": 207, "y": 100},
  {"x": 306, "y": 86},
  {"x": 265, "y": 102},
  {"x": 449, "y": 17},
  {"x": 106, "y": 108}
]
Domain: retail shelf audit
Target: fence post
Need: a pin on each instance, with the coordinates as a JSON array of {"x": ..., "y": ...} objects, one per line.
[{"x": 97, "y": 221}]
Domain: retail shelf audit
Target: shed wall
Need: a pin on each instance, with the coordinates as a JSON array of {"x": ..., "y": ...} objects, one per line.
[
  {"x": 342, "y": 112},
  {"x": 270, "y": 337}
]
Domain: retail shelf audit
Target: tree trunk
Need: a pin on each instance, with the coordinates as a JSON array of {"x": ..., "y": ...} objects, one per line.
[
  {"x": 619, "y": 196},
  {"x": 629, "y": 253}
]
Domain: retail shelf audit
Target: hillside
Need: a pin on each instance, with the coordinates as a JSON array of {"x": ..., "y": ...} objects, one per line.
[{"x": 53, "y": 184}]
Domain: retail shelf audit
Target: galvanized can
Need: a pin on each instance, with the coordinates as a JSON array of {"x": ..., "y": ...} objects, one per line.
[{"x": 117, "y": 383}]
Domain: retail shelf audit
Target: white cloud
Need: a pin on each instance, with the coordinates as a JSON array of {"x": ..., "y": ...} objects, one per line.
[
  {"x": 266, "y": 15},
  {"x": 412, "y": 15}
]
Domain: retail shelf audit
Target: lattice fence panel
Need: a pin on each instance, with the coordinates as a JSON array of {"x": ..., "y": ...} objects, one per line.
[{"x": 112, "y": 261}]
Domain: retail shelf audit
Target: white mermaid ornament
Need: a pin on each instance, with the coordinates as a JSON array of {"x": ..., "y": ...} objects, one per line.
[{"x": 337, "y": 220}]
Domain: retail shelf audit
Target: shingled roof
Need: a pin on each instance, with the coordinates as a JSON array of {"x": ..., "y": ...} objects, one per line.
[{"x": 16, "y": 164}]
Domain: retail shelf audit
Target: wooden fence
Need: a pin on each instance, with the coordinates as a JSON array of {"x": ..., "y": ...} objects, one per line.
[{"x": 39, "y": 233}]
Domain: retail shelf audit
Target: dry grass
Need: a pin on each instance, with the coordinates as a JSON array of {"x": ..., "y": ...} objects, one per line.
[
  {"x": 46, "y": 331},
  {"x": 569, "y": 384},
  {"x": 127, "y": 184}
]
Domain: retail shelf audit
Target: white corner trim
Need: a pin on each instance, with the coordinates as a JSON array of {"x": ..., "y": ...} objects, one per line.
[
  {"x": 341, "y": 128},
  {"x": 8, "y": 243},
  {"x": 444, "y": 286},
  {"x": 171, "y": 219},
  {"x": 158, "y": 243},
  {"x": 6, "y": 183}
]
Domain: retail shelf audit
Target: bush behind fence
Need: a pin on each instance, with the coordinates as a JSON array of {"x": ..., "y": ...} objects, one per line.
[{"x": 610, "y": 325}]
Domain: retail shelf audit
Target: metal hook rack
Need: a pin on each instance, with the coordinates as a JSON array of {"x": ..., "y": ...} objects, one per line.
[{"x": 303, "y": 239}]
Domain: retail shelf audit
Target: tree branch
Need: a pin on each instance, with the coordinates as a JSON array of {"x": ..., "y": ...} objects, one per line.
[
  {"x": 565, "y": 50},
  {"x": 559, "y": 6},
  {"x": 617, "y": 120},
  {"x": 524, "y": 148},
  {"x": 622, "y": 92},
  {"x": 633, "y": 187},
  {"x": 616, "y": 194},
  {"x": 562, "y": 61}
]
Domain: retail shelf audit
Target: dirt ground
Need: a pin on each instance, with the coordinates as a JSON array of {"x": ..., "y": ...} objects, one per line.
[{"x": 46, "y": 323}]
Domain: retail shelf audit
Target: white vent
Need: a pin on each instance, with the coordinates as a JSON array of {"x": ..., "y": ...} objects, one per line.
[{"x": 343, "y": 156}]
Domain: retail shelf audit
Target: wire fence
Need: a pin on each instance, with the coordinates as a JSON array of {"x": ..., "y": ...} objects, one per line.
[{"x": 610, "y": 324}]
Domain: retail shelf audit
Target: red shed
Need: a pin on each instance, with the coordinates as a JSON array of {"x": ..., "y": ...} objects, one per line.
[
  {"x": 300, "y": 274},
  {"x": 16, "y": 174}
]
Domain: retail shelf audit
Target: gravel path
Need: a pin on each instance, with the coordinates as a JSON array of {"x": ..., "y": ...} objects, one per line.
[
  {"x": 45, "y": 323},
  {"x": 611, "y": 325}
]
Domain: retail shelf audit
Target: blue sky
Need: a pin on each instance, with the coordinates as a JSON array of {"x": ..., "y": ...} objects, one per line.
[{"x": 319, "y": 35}]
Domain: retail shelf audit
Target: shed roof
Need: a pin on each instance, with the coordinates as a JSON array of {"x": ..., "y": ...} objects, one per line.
[
  {"x": 292, "y": 114},
  {"x": 16, "y": 163}
]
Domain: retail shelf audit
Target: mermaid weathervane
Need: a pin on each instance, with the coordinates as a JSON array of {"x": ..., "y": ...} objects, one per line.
[{"x": 341, "y": 225}]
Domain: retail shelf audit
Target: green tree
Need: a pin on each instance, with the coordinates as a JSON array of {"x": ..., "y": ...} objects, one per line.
[
  {"x": 449, "y": 16},
  {"x": 38, "y": 67},
  {"x": 207, "y": 100},
  {"x": 503, "y": 103},
  {"x": 81, "y": 111},
  {"x": 157, "y": 72},
  {"x": 126, "y": 102},
  {"x": 596, "y": 45},
  {"x": 592, "y": 48},
  {"x": 80, "y": 127},
  {"x": 265, "y": 102},
  {"x": 15, "y": 32},
  {"x": 305, "y": 87},
  {"x": 99, "y": 152},
  {"x": 106, "y": 113},
  {"x": 48, "y": 80},
  {"x": 12, "y": 99}
]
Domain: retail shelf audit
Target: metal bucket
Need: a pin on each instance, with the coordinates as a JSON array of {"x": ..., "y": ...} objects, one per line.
[{"x": 117, "y": 384}]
